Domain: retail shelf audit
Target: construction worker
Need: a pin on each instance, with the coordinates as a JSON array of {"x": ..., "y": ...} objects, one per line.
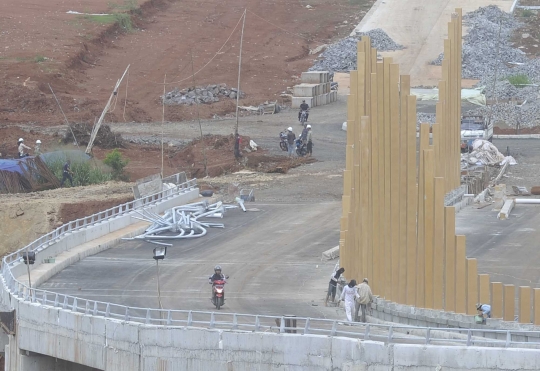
[
  {"x": 37, "y": 148},
  {"x": 484, "y": 310},
  {"x": 365, "y": 297},
  {"x": 309, "y": 140},
  {"x": 348, "y": 295},
  {"x": 291, "y": 140},
  {"x": 67, "y": 173},
  {"x": 21, "y": 147}
]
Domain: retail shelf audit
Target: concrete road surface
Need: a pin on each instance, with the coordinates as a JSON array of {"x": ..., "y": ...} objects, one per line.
[
  {"x": 420, "y": 26},
  {"x": 273, "y": 258}
]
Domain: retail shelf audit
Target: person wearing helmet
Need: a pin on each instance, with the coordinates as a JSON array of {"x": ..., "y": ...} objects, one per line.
[
  {"x": 484, "y": 310},
  {"x": 217, "y": 276},
  {"x": 365, "y": 297},
  {"x": 304, "y": 107},
  {"x": 291, "y": 139},
  {"x": 22, "y": 147},
  {"x": 309, "y": 139},
  {"x": 37, "y": 148}
]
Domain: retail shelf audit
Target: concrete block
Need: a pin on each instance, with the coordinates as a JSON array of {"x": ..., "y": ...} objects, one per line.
[
  {"x": 297, "y": 101},
  {"x": 315, "y": 77},
  {"x": 325, "y": 98},
  {"x": 96, "y": 231},
  {"x": 119, "y": 222},
  {"x": 305, "y": 90}
]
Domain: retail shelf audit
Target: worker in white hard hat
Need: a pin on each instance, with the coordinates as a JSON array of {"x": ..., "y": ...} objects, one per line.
[
  {"x": 309, "y": 140},
  {"x": 22, "y": 147},
  {"x": 291, "y": 139},
  {"x": 37, "y": 148}
]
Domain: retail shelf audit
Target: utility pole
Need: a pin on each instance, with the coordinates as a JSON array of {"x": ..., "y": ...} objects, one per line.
[{"x": 236, "y": 141}]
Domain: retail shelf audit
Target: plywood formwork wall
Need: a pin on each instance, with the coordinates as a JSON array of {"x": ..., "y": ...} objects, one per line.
[{"x": 395, "y": 227}]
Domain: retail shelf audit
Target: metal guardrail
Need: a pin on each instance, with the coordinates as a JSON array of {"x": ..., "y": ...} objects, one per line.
[{"x": 235, "y": 321}]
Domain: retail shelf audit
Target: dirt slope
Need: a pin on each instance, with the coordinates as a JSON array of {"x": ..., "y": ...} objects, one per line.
[{"x": 82, "y": 58}]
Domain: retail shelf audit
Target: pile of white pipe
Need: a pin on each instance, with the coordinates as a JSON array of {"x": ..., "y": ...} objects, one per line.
[{"x": 181, "y": 222}]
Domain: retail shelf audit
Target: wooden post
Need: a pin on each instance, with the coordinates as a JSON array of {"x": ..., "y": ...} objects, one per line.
[
  {"x": 382, "y": 179},
  {"x": 387, "y": 208},
  {"x": 497, "y": 303},
  {"x": 404, "y": 92},
  {"x": 365, "y": 167},
  {"x": 484, "y": 292},
  {"x": 461, "y": 274},
  {"x": 375, "y": 184},
  {"x": 536, "y": 306},
  {"x": 438, "y": 245},
  {"x": 509, "y": 297},
  {"x": 394, "y": 177},
  {"x": 412, "y": 193},
  {"x": 472, "y": 286},
  {"x": 428, "y": 226},
  {"x": 524, "y": 304},
  {"x": 450, "y": 260}
]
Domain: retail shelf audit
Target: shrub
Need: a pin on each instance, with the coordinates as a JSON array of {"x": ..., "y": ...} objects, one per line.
[
  {"x": 117, "y": 163},
  {"x": 519, "y": 80},
  {"x": 527, "y": 13},
  {"x": 84, "y": 172},
  {"x": 39, "y": 59}
]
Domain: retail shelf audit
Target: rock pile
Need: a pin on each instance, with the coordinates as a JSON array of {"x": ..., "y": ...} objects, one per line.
[
  {"x": 526, "y": 116},
  {"x": 341, "y": 56},
  {"x": 483, "y": 52},
  {"x": 424, "y": 118},
  {"x": 200, "y": 94}
]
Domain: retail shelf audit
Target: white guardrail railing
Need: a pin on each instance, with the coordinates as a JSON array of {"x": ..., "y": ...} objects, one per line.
[{"x": 235, "y": 321}]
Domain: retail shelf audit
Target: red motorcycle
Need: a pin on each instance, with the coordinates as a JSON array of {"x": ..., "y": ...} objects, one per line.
[{"x": 218, "y": 293}]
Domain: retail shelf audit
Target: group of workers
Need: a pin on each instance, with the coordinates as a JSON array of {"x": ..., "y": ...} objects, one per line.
[
  {"x": 21, "y": 147},
  {"x": 360, "y": 297}
]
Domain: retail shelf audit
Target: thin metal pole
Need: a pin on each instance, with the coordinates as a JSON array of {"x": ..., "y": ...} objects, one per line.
[
  {"x": 158, "y": 289},
  {"x": 199, "y": 117},
  {"x": 65, "y": 118},
  {"x": 162, "y": 124},
  {"x": 28, "y": 270},
  {"x": 239, "y": 71}
]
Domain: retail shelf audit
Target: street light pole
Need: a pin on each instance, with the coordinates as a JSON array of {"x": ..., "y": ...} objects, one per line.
[
  {"x": 159, "y": 254},
  {"x": 158, "y": 289}
]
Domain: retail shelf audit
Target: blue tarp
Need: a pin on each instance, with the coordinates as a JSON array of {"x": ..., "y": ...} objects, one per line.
[{"x": 13, "y": 165}]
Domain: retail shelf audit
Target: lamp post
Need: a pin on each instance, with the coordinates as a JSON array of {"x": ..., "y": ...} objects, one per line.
[
  {"x": 159, "y": 254},
  {"x": 29, "y": 257}
]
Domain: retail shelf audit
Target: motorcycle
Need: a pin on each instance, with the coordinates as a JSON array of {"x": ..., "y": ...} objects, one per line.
[
  {"x": 218, "y": 292},
  {"x": 303, "y": 117},
  {"x": 283, "y": 141},
  {"x": 301, "y": 148}
]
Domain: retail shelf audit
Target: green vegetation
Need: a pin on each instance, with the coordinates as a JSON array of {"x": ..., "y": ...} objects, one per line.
[
  {"x": 519, "y": 80},
  {"x": 122, "y": 19},
  {"x": 527, "y": 13},
  {"x": 84, "y": 172},
  {"x": 39, "y": 59},
  {"x": 128, "y": 5},
  {"x": 115, "y": 160}
]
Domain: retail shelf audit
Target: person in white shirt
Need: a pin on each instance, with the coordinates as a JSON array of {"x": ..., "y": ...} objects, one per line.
[
  {"x": 22, "y": 147},
  {"x": 349, "y": 294}
]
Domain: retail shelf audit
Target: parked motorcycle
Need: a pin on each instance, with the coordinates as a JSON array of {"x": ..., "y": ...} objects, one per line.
[
  {"x": 283, "y": 141},
  {"x": 218, "y": 293},
  {"x": 301, "y": 148}
]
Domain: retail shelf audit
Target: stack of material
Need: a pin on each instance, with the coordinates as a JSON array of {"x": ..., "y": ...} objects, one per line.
[{"x": 315, "y": 89}]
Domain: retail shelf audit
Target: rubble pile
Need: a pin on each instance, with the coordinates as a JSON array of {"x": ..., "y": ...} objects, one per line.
[
  {"x": 424, "y": 118},
  {"x": 483, "y": 52},
  {"x": 525, "y": 116},
  {"x": 341, "y": 56},
  {"x": 505, "y": 90},
  {"x": 200, "y": 94}
]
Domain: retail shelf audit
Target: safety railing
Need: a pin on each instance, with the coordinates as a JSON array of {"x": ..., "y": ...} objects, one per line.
[
  {"x": 235, "y": 321},
  {"x": 390, "y": 334},
  {"x": 42, "y": 242}
]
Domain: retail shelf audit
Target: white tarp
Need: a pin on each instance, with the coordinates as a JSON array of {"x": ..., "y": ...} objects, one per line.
[
  {"x": 485, "y": 153},
  {"x": 473, "y": 96}
]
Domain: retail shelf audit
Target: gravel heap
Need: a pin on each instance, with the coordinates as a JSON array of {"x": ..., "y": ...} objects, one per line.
[
  {"x": 505, "y": 90},
  {"x": 424, "y": 118},
  {"x": 480, "y": 59},
  {"x": 381, "y": 40},
  {"x": 341, "y": 56},
  {"x": 527, "y": 116},
  {"x": 200, "y": 94}
]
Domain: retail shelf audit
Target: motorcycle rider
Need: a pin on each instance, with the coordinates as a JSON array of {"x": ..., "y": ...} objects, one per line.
[
  {"x": 217, "y": 276},
  {"x": 303, "y": 107}
]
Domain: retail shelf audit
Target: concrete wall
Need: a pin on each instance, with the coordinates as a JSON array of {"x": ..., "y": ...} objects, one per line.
[{"x": 107, "y": 344}]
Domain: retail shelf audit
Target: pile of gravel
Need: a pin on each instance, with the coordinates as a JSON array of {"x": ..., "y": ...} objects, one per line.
[
  {"x": 511, "y": 114},
  {"x": 200, "y": 94},
  {"x": 424, "y": 118},
  {"x": 505, "y": 90},
  {"x": 341, "y": 56},
  {"x": 381, "y": 40},
  {"x": 483, "y": 53}
]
